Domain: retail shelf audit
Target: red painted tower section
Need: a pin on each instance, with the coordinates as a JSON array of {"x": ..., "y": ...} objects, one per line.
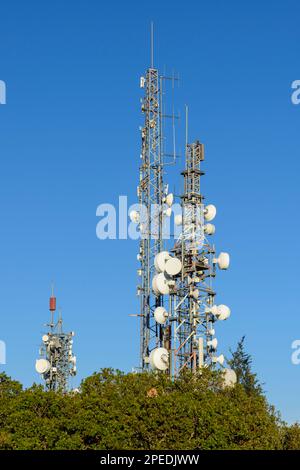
[{"x": 52, "y": 304}]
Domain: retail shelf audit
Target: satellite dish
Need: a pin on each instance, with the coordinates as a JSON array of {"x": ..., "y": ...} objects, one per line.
[
  {"x": 160, "y": 284},
  {"x": 211, "y": 332},
  {"x": 209, "y": 229},
  {"x": 230, "y": 378},
  {"x": 159, "y": 359},
  {"x": 173, "y": 266},
  {"x": 210, "y": 212},
  {"x": 45, "y": 338},
  {"x": 169, "y": 199},
  {"x": 160, "y": 260},
  {"x": 168, "y": 212},
  {"x": 213, "y": 310},
  {"x": 134, "y": 217},
  {"x": 154, "y": 285},
  {"x": 138, "y": 257},
  {"x": 178, "y": 219},
  {"x": 223, "y": 260},
  {"x": 42, "y": 366},
  {"x": 223, "y": 312},
  {"x": 218, "y": 359},
  {"x": 160, "y": 315},
  {"x": 212, "y": 344}
]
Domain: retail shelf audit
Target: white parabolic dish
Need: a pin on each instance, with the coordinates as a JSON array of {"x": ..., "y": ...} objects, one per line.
[
  {"x": 159, "y": 359},
  {"x": 160, "y": 260},
  {"x": 223, "y": 260},
  {"x": 223, "y": 312},
  {"x": 230, "y": 377},
  {"x": 42, "y": 366},
  {"x": 173, "y": 266},
  {"x": 160, "y": 315},
  {"x": 210, "y": 212},
  {"x": 209, "y": 229},
  {"x": 160, "y": 284}
]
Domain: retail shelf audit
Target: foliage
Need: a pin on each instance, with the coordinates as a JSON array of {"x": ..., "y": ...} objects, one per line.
[
  {"x": 116, "y": 411},
  {"x": 147, "y": 411},
  {"x": 241, "y": 363},
  {"x": 291, "y": 437}
]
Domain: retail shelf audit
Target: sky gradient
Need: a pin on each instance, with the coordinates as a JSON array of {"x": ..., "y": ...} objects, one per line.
[{"x": 69, "y": 141}]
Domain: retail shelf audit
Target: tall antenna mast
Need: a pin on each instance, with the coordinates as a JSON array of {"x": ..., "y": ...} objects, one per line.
[
  {"x": 195, "y": 311},
  {"x": 150, "y": 192},
  {"x": 154, "y": 204},
  {"x": 56, "y": 362}
]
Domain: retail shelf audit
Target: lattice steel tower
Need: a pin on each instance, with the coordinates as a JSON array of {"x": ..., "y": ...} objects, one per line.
[
  {"x": 150, "y": 193},
  {"x": 57, "y": 362},
  {"x": 194, "y": 311}
]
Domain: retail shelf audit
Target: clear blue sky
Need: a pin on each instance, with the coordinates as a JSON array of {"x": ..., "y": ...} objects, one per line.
[{"x": 69, "y": 141}]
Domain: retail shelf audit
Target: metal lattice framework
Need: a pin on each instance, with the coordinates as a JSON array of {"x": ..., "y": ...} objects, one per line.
[
  {"x": 150, "y": 200},
  {"x": 57, "y": 362},
  {"x": 177, "y": 309},
  {"x": 194, "y": 294}
]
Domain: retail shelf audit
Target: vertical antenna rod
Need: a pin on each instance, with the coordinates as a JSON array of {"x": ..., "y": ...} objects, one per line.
[
  {"x": 186, "y": 125},
  {"x": 152, "y": 45}
]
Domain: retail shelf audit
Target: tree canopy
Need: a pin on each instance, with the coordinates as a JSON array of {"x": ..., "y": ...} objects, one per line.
[{"x": 118, "y": 411}]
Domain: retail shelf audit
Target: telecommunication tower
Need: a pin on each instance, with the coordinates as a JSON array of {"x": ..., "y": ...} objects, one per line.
[
  {"x": 154, "y": 206},
  {"x": 177, "y": 308},
  {"x": 57, "y": 362},
  {"x": 194, "y": 309}
]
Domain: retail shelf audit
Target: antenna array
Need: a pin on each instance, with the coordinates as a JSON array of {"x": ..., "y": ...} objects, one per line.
[
  {"x": 177, "y": 300},
  {"x": 57, "y": 362}
]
